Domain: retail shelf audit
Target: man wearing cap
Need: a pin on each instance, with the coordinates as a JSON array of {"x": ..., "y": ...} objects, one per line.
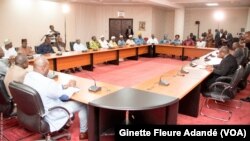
[
  {"x": 139, "y": 40},
  {"x": 94, "y": 44},
  {"x": 4, "y": 63},
  {"x": 130, "y": 40},
  {"x": 9, "y": 51},
  {"x": 103, "y": 42},
  {"x": 112, "y": 42},
  {"x": 121, "y": 41}
]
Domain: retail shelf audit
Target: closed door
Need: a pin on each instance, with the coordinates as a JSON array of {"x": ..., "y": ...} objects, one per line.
[{"x": 119, "y": 26}]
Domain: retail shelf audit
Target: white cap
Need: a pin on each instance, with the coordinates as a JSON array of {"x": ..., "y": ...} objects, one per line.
[
  {"x": 130, "y": 36},
  {"x": 112, "y": 37},
  {"x": 121, "y": 36},
  {"x": 7, "y": 41}
]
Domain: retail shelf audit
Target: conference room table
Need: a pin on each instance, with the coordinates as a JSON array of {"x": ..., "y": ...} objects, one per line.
[
  {"x": 88, "y": 59},
  {"x": 148, "y": 102},
  {"x": 184, "y": 83},
  {"x": 107, "y": 108}
]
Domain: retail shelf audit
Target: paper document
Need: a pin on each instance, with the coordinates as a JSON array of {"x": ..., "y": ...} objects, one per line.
[{"x": 70, "y": 91}]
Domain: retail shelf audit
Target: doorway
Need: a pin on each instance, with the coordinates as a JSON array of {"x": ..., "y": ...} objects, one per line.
[{"x": 119, "y": 26}]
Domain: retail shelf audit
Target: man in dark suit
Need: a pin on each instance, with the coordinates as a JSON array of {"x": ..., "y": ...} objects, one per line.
[
  {"x": 129, "y": 31},
  {"x": 217, "y": 38},
  {"x": 227, "y": 66}
]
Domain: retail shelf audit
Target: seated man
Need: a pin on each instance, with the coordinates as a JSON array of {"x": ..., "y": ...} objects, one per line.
[
  {"x": 201, "y": 43},
  {"x": 238, "y": 52},
  {"x": 165, "y": 40},
  {"x": 188, "y": 42},
  {"x": 94, "y": 44},
  {"x": 227, "y": 66},
  {"x": 130, "y": 41},
  {"x": 60, "y": 45},
  {"x": 17, "y": 71},
  {"x": 121, "y": 42},
  {"x": 176, "y": 40},
  {"x": 25, "y": 49},
  {"x": 112, "y": 42},
  {"x": 152, "y": 40},
  {"x": 103, "y": 42},
  {"x": 9, "y": 51},
  {"x": 45, "y": 47},
  {"x": 78, "y": 46},
  {"x": 139, "y": 40},
  {"x": 50, "y": 92},
  {"x": 4, "y": 63}
]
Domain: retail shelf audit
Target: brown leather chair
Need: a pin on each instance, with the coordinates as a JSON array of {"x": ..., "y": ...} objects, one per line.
[
  {"x": 30, "y": 110},
  {"x": 6, "y": 103}
]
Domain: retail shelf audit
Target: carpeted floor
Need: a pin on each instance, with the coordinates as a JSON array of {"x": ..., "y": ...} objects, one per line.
[{"x": 127, "y": 74}]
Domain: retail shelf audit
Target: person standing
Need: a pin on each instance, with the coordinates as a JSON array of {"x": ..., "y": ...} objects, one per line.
[
  {"x": 209, "y": 39},
  {"x": 52, "y": 33},
  {"x": 129, "y": 31}
]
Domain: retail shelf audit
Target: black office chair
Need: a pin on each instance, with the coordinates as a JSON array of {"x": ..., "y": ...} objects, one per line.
[
  {"x": 36, "y": 49},
  {"x": 87, "y": 44},
  {"x": 221, "y": 92},
  {"x": 6, "y": 102},
  {"x": 246, "y": 54},
  {"x": 30, "y": 110},
  {"x": 243, "y": 83},
  {"x": 71, "y": 45}
]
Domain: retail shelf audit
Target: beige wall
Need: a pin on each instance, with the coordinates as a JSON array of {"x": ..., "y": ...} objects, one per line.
[
  {"x": 235, "y": 18},
  {"x": 31, "y": 20},
  {"x": 94, "y": 20},
  {"x": 28, "y": 20},
  {"x": 159, "y": 21},
  {"x": 248, "y": 21}
]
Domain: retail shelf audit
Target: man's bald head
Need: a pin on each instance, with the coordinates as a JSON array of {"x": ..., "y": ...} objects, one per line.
[
  {"x": 41, "y": 65},
  {"x": 224, "y": 50},
  {"x": 22, "y": 61}
]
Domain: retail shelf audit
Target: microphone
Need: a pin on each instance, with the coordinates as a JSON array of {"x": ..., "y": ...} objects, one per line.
[
  {"x": 163, "y": 82},
  {"x": 182, "y": 72},
  {"x": 94, "y": 88},
  {"x": 193, "y": 64}
]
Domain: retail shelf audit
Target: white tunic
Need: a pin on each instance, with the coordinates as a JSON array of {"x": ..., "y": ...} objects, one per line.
[
  {"x": 79, "y": 47},
  {"x": 49, "y": 91}
]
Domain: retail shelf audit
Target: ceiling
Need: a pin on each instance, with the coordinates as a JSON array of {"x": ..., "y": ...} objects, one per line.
[{"x": 169, "y": 3}]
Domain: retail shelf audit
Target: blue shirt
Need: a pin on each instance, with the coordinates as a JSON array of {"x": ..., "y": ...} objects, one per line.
[
  {"x": 44, "y": 49},
  {"x": 176, "y": 42},
  {"x": 139, "y": 41},
  {"x": 121, "y": 43},
  {"x": 164, "y": 41}
]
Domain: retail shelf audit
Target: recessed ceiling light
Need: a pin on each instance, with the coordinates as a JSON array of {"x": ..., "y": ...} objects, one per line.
[{"x": 212, "y": 4}]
